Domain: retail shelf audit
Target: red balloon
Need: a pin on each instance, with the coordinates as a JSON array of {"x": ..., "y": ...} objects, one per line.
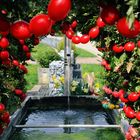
[
  {"x": 59, "y": 9},
  {"x": 118, "y": 49},
  {"x": 99, "y": 22},
  {"x": 123, "y": 28},
  {"x": 94, "y": 32},
  {"x": 133, "y": 97},
  {"x": 4, "y": 25},
  {"x": 40, "y": 25},
  {"x": 76, "y": 39},
  {"x": 109, "y": 14},
  {"x": 20, "y": 30},
  {"x": 84, "y": 39},
  {"x": 69, "y": 34},
  {"x": 129, "y": 46}
]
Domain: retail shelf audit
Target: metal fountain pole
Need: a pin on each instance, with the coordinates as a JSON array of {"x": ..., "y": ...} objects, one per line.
[{"x": 67, "y": 66}]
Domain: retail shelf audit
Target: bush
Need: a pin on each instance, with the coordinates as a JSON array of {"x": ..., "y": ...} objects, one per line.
[{"x": 47, "y": 57}]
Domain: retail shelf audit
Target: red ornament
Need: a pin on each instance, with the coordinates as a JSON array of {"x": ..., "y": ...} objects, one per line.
[
  {"x": 133, "y": 97},
  {"x": 4, "y": 43},
  {"x": 104, "y": 62},
  {"x": 74, "y": 24},
  {"x": 69, "y": 34},
  {"x": 5, "y": 117},
  {"x": 4, "y": 25},
  {"x": 36, "y": 41},
  {"x": 15, "y": 63},
  {"x": 138, "y": 116},
  {"x": 115, "y": 94},
  {"x": 25, "y": 48},
  {"x": 58, "y": 9},
  {"x": 21, "y": 42},
  {"x": 23, "y": 68},
  {"x": 109, "y": 14},
  {"x": 2, "y": 107},
  {"x": 124, "y": 30},
  {"x": 28, "y": 55},
  {"x": 4, "y": 55},
  {"x": 76, "y": 39},
  {"x": 84, "y": 39},
  {"x": 100, "y": 23},
  {"x": 129, "y": 46},
  {"x": 108, "y": 67},
  {"x": 20, "y": 30},
  {"x": 118, "y": 49},
  {"x": 23, "y": 96},
  {"x": 138, "y": 43},
  {"x": 1, "y": 129},
  {"x": 94, "y": 32},
  {"x": 40, "y": 25},
  {"x": 130, "y": 114},
  {"x": 125, "y": 100},
  {"x": 18, "y": 91}
]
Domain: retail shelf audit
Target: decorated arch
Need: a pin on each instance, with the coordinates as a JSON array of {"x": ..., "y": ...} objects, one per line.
[{"x": 115, "y": 27}]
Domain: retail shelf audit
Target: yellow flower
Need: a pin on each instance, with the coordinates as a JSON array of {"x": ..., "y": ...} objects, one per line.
[
  {"x": 62, "y": 79},
  {"x": 85, "y": 75},
  {"x": 53, "y": 77},
  {"x": 85, "y": 90},
  {"x": 73, "y": 89},
  {"x": 97, "y": 85}
]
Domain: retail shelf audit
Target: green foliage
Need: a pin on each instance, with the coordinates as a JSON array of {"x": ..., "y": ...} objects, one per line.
[{"x": 47, "y": 57}]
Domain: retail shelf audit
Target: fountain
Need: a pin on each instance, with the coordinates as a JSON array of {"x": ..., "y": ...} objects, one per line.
[{"x": 66, "y": 117}]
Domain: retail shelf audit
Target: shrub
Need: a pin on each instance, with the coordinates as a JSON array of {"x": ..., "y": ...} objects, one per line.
[{"x": 47, "y": 57}]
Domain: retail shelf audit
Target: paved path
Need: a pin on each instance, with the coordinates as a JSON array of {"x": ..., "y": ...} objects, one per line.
[
  {"x": 90, "y": 47},
  {"x": 88, "y": 60}
]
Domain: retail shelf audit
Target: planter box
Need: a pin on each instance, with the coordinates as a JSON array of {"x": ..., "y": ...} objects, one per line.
[{"x": 43, "y": 76}]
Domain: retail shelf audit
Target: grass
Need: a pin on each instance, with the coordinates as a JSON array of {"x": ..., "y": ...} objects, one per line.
[
  {"x": 32, "y": 76},
  {"x": 83, "y": 53},
  {"x": 98, "y": 72}
]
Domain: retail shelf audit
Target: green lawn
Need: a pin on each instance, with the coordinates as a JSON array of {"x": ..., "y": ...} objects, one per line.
[
  {"x": 32, "y": 76},
  {"x": 98, "y": 71},
  {"x": 83, "y": 53}
]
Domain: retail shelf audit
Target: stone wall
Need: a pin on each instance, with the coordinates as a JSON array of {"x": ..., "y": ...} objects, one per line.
[{"x": 56, "y": 76}]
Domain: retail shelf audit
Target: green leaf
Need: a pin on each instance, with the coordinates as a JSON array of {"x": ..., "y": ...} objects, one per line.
[
  {"x": 137, "y": 88},
  {"x": 122, "y": 58},
  {"x": 129, "y": 67}
]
